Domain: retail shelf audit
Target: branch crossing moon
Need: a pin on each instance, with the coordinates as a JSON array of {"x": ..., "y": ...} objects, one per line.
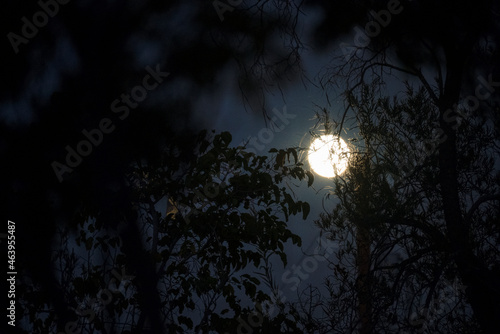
[{"x": 328, "y": 156}]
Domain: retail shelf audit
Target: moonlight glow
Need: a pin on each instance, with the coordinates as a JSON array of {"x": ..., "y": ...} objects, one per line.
[{"x": 328, "y": 156}]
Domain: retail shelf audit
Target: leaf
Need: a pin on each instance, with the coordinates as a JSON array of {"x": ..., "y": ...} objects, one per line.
[
  {"x": 226, "y": 138},
  {"x": 185, "y": 321},
  {"x": 280, "y": 158},
  {"x": 250, "y": 289},
  {"x": 296, "y": 240},
  {"x": 88, "y": 243},
  {"x": 282, "y": 255},
  {"x": 310, "y": 179},
  {"x": 305, "y": 210}
]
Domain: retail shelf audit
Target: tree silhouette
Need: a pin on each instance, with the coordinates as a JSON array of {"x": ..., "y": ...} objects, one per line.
[
  {"x": 80, "y": 74},
  {"x": 451, "y": 45},
  {"x": 406, "y": 279},
  {"x": 228, "y": 212},
  {"x": 66, "y": 63}
]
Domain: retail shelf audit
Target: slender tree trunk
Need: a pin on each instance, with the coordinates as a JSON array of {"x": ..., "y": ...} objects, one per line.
[
  {"x": 363, "y": 280},
  {"x": 363, "y": 242},
  {"x": 145, "y": 275}
]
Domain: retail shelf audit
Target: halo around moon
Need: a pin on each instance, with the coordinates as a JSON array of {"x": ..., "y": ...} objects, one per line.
[{"x": 328, "y": 156}]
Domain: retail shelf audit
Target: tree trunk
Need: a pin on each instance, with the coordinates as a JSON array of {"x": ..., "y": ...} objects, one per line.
[
  {"x": 363, "y": 279},
  {"x": 481, "y": 292},
  {"x": 363, "y": 243}
]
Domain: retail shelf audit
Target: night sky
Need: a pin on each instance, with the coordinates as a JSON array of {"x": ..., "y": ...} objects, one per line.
[{"x": 102, "y": 105}]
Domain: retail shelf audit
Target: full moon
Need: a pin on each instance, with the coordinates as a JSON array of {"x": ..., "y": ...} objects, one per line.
[{"x": 328, "y": 156}]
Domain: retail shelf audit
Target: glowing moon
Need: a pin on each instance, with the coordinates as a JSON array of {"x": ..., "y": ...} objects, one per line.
[{"x": 328, "y": 156}]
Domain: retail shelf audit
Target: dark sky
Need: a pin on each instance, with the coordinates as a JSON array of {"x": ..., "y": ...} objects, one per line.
[
  {"x": 221, "y": 107},
  {"x": 200, "y": 91}
]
